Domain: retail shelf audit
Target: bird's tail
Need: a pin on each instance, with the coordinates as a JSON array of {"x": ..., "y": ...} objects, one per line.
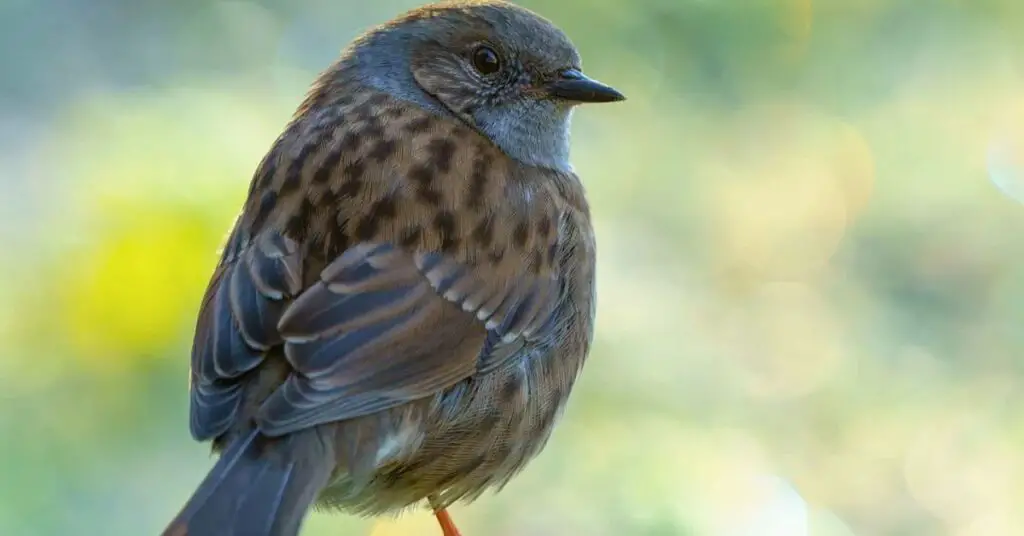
[{"x": 258, "y": 487}]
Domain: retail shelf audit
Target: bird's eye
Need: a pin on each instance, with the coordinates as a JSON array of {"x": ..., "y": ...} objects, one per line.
[{"x": 485, "y": 60}]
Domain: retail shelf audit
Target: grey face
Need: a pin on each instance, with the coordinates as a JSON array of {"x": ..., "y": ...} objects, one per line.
[
  {"x": 505, "y": 71},
  {"x": 533, "y": 131}
]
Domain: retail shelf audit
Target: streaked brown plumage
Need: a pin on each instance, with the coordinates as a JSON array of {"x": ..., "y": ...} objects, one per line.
[{"x": 406, "y": 300}]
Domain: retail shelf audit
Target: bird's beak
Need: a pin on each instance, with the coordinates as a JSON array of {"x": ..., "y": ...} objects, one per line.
[{"x": 575, "y": 86}]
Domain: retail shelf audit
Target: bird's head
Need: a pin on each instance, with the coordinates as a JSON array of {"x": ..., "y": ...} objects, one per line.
[{"x": 500, "y": 68}]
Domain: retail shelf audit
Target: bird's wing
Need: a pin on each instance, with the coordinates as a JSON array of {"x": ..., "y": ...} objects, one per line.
[
  {"x": 379, "y": 327},
  {"x": 237, "y": 326}
]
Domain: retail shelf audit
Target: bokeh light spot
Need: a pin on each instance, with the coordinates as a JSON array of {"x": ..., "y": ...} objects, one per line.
[{"x": 1006, "y": 164}]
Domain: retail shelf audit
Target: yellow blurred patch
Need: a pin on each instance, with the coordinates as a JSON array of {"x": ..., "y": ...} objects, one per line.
[
  {"x": 788, "y": 182},
  {"x": 134, "y": 291},
  {"x": 158, "y": 179},
  {"x": 798, "y": 22},
  {"x": 412, "y": 524}
]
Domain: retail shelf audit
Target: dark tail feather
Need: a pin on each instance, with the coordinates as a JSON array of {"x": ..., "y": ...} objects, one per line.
[{"x": 258, "y": 487}]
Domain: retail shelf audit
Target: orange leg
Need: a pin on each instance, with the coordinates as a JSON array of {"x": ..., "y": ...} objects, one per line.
[{"x": 447, "y": 525}]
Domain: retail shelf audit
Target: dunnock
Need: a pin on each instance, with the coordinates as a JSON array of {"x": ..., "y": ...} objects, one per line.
[{"x": 407, "y": 298}]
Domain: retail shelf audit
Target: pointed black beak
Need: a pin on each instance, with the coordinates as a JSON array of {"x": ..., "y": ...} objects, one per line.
[{"x": 575, "y": 86}]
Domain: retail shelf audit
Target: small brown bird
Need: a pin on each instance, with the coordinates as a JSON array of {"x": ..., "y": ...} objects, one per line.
[{"x": 407, "y": 298}]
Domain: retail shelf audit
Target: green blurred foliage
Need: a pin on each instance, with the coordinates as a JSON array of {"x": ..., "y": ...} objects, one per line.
[{"x": 810, "y": 291}]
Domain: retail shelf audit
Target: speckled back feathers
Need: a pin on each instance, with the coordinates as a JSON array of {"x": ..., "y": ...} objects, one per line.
[{"x": 378, "y": 169}]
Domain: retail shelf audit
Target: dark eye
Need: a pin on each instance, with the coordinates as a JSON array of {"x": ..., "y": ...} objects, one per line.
[{"x": 485, "y": 60}]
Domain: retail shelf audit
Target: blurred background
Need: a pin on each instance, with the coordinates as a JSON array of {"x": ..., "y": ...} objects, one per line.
[{"x": 811, "y": 272}]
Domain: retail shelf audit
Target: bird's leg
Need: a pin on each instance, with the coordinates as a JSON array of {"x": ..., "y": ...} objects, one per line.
[
  {"x": 447, "y": 525},
  {"x": 445, "y": 520}
]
